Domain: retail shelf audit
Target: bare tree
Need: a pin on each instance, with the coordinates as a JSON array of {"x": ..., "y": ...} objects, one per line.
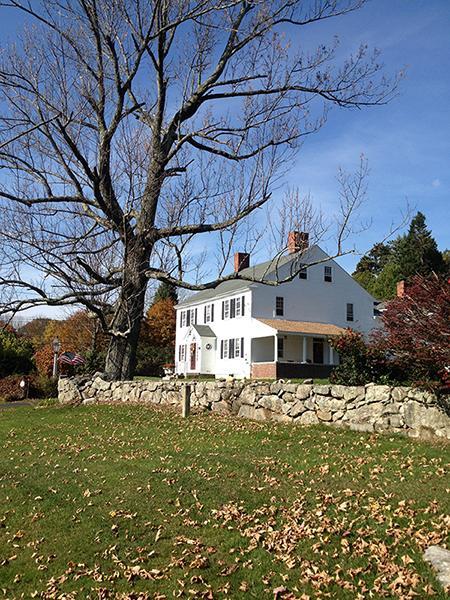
[{"x": 132, "y": 127}]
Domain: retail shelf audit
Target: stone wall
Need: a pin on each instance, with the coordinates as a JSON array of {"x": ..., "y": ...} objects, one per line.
[{"x": 363, "y": 408}]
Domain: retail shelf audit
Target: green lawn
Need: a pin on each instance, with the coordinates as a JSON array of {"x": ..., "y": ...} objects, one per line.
[{"x": 131, "y": 502}]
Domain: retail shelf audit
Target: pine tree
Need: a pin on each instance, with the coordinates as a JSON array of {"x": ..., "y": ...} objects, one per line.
[
  {"x": 165, "y": 291},
  {"x": 375, "y": 260},
  {"x": 417, "y": 252}
]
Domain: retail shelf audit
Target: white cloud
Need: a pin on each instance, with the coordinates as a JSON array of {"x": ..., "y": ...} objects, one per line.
[{"x": 436, "y": 183}]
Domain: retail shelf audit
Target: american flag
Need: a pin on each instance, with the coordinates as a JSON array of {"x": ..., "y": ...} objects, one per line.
[{"x": 70, "y": 358}]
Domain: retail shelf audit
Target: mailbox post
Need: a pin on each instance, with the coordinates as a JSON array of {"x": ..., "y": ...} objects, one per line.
[{"x": 186, "y": 400}]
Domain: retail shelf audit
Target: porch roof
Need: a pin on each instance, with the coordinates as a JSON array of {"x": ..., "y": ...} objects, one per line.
[
  {"x": 204, "y": 331},
  {"x": 307, "y": 327}
]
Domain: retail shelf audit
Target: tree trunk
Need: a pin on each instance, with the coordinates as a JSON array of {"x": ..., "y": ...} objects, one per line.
[{"x": 128, "y": 315}]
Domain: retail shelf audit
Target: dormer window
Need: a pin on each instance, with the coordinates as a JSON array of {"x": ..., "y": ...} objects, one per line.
[{"x": 328, "y": 274}]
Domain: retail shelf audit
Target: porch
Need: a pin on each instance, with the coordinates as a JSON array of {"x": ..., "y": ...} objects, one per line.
[{"x": 294, "y": 350}]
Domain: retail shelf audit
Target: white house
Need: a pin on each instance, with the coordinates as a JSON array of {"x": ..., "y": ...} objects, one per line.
[{"x": 251, "y": 329}]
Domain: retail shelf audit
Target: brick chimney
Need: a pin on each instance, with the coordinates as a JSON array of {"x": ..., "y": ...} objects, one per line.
[
  {"x": 298, "y": 241},
  {"x": 401, "y": 288},
  {"x": 241, "y": 261}
]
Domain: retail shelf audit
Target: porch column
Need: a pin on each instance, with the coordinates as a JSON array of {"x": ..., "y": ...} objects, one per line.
[
  {"x": 305, "y": 349},
  {"x": 331, "y": 361}
]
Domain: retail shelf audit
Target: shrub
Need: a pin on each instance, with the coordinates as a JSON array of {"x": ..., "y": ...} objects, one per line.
[
  {"x": 417, "y": 328},
  {"x": 39, "y": 386},
  {"x": 10, "y": 390},
  {"x": 15, "y": 353},
  {"x": 362, "y": 362},
  {"x": 43, "y": 387}
]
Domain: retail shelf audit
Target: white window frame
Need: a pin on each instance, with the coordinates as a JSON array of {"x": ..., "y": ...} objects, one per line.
[
  {"x": 226, "y": 309},
  {"x": 225, "y": 349},
  {"x": 237, "y": 348},
  {"x": 350, "y": 312},
  {"x": 208, "y": 313},
  {"x": 238, "y": 306},
  {"x": 183, "y": 318},
  {"x": 328, "y": 272},
  {"x": 182, "y": 353}
]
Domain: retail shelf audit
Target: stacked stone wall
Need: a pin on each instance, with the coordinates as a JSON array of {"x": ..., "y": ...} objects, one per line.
[{"x": 362, "y": 408}]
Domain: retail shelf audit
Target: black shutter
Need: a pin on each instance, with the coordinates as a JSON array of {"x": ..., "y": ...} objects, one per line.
[
  {"x": 188, "y": 317},
  {"x": 223, "y": 309},
  {"x": 231, "y": 348},
  {"x": 242, "y": 347},
  {"x": 195, "y": 317},
  {"x": 232, "y": 308},
  {"x": 212, "y": 312},
  {"x": 181, "y": 318},
  {"x": 204, "y": 314},
  {"x": 221, "y": 348},
  {"x": 243, "y": 305}
]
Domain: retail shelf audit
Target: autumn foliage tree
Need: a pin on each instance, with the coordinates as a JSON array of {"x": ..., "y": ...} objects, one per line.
[
  {"x": 417, "y": 327},
  {"x": 157, "y": 343},
  {"x": 80, "y": 332}
]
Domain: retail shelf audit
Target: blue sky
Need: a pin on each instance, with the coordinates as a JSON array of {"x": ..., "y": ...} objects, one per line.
[{"x": 406, "y": 142}]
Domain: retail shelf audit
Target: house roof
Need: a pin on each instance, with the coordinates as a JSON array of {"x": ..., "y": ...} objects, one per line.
[
  {"x": 204, "y": 331},
  {"x": 284, "y": 326},
  {"x": 264, "y": 270}
]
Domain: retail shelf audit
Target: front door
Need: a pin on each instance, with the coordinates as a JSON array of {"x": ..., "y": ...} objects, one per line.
[
  {"x": 318, "y": 351},
  {"x": 193, "y": 357}
]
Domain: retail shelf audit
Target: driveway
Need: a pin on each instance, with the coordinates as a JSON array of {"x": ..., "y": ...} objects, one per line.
[{"x": 17, "y": 404}]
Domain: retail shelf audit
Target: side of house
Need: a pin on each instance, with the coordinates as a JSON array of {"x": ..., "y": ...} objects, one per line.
[{"x": 245, "y": 329}]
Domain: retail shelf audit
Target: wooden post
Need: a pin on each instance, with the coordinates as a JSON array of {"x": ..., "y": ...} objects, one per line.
[{"x": 186, "y": 399}]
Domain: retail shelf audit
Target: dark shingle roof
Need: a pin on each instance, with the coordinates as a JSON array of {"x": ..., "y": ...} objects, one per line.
[{"x": 265, "y": 270}]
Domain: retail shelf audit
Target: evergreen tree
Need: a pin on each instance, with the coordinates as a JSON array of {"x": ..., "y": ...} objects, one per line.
[
  {"x": 165, "y": 291},
  {"x": 417, "y": 253},
  {"x": 375, "y": 260}
]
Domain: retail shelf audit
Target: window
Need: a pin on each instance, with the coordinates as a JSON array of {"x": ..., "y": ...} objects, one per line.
[
  {"x": 280, "y": 347},
  {"x": 233, "y": 308},
  {"x": 182, "y": 353},
  {"x": 232, "y": 348},
  {"x": 183, "y": 318},
  {"x": 279, "y": 306},
  {"x": 191, "y": 316},
  {"x": 303, "y": 273},
  {"x": 209, "y": 313},
  {"x": 224, "y": 349},
  {"x": 226, "y": 309},
  {"x": 238, "y": 307},
  {"x": 239, "y": 348},
  {"x": 327, "y": 274},
  {"x": 349, "y": 311}
]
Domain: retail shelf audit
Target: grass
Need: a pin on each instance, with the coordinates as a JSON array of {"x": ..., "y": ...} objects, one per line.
[{"x": 131, "y": 502}]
